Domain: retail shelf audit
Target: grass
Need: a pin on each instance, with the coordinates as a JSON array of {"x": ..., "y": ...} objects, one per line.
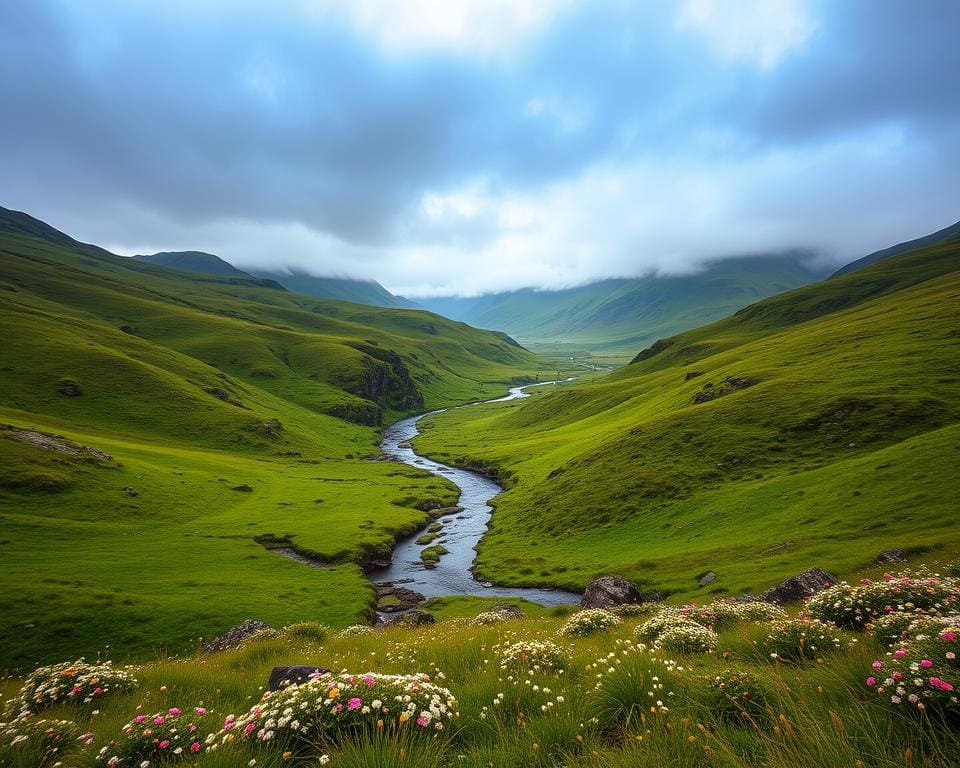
[
  {"x": 195, "y": 386},
  {"x": 843, "y": 445},
  {"x": 611, "y": 707}
]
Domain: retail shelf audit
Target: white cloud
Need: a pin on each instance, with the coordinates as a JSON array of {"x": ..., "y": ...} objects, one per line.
[{"x": 762, "y": 30}]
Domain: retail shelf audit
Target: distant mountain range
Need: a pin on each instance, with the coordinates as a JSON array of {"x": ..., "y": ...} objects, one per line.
[
  {"x": 628, "y": 313},
  {"x": 940, "y": 236},
  {"x": 193, "y": 261}
]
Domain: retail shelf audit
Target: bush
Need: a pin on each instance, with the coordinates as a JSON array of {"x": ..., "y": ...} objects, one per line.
[
  {"x": 35, "y": 743},
  {"x": 730, "y": 613},
  {"x": 71, "y": 681},
  {"x": 308, "y": 630},
  {"x": 355, "y": 630},
  {"x": 853, "y": 607},
  {"x": 588, "y": 621},
  {"x": 666, "y": 619},
  {"x": 924, "y": 672},
  {"x": 635, "y": 610},
  {"x": 737, "y": 696},
  {"x": 331, "y": 707},
  {"x": 532, "y": 656},
  {"x": 162, "y": 736},
  {"x": 687, "y": 638},
  {"x": 798, "y": 639}
]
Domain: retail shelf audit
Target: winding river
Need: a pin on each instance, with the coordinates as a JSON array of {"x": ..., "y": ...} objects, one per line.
[{"x": 460, "y": 533}]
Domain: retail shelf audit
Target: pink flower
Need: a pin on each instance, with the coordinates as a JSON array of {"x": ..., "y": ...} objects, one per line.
[
  {"x": 195, "y": 747},
  {"x": 926, "y": 663},
  {"x": 97, "y": 691},
  {"x": 164, "y": 744},
  {"x": 200, "y": 710},
  {"x": 935, "y": 682},
  {"x": 369, "y": 681},
  {"x": 945, "y": 686},
  {"x": 871, "y": 681},
  {"x": 354, "y": 703},
  {"x": 948, "y": 635},
  {"x": 422, "y": 721},
  {"x": 249, "y": 728},
  {"x": 877, "y": 665},
  {"x": 899, "y": 653},
  {"x": 173, "y": 711},
  {"x": 139, "y": 718},
  {"x": 159, "y": 720}
]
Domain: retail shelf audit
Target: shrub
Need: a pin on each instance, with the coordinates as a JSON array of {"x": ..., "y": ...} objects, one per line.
[
  {"x": 924, "y": 671},
  {"x": 665, "y": 619},
  {"x": 333, "y": 706},
  {"x": 855, "y": 606},
  {"x": 729, "y": 613},
  {"x": 635, "y": 610},
  {"x": 687, "y": 638},
  {"x": 532, "y": 656},
  {"x": 797, "y": 639},
  {"x": 308, "y": 630},
  {"x": 737, "y": 696},
  {"x": 588, "y": 621},
  {"x": 163, "y": 736},
  {"x": 71, "y": 681},
  {"x": 630, "y": 685},
  {"x": 27, "y": 741}
]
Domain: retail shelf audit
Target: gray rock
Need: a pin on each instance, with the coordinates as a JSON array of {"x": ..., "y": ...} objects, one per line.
[
  {"x": 415, "y": 618},
  {"x": 508, "y": 609},
  {"x": 607, "y": 591},
  {"x": 281, "y": 677},
  {"x": 236, "y": 635},
  {"x": 708, "y": 578},
  {"x": 799, "y": 587},
  {"x": 891, "y": 556},
  {"x": 69, "y": 388},
  {"x": 131, "y": 491}
]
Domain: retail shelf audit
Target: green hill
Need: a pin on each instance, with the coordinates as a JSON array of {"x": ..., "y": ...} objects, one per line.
[
  {"x": 814, "y": 428},
  {"x": 193, "y": 261},
  {"x": 626, "y": 314},
  {"x": 340, "y": 288},
  {"x": 941, "y": 236},
  {"x": 155, "y": 425}
]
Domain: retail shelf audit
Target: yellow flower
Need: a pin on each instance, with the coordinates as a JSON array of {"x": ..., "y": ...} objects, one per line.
[
  {"x": 287, "y": 755},
  {"x": 334, "y": 692},
  {"x": 404, "y": 717},
  {"x": 379, "y": 723}
]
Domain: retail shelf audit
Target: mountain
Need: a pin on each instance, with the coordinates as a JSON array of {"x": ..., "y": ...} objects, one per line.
[
  {"x": 344, "y": 289},
  {"x": 166, "y": 436},
  {"x": 814, "y": 428},
  {"x": 939, "y": 236},
  {"x": 625, "y": 314},
  {"x": 193, "y": 261}
]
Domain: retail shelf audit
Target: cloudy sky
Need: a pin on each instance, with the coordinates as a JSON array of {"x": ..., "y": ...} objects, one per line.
[{"x": 462, "y": 146}]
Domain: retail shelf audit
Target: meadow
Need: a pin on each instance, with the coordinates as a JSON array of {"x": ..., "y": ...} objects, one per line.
[{"x": 717, "y": 685}]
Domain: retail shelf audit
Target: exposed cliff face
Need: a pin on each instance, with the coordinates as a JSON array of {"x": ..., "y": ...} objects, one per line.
[{"x": 384, "y": 379}]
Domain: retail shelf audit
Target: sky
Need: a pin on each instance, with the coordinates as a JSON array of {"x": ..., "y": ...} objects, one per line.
[{"x": 469, "y": 146}]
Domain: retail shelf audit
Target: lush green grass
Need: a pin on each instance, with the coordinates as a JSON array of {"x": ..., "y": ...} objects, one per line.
[
  {"x": 196, "y": 385},
  {"x": 846, "y": 443},
  {"x": 815, "y": 714}
]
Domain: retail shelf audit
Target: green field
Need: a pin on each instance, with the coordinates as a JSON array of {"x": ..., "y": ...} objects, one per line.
[
  {"x": 197, "y": 386},
  {"x": 828, "y": 429}
]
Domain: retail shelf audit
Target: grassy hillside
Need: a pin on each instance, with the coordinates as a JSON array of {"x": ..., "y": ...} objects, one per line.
[
  {"x": 223, "y": 412},
  {"x": 626, "y": 314},
  {"x": 192, "y": 261},
  {"x": 940, "y": 236},
  {"x": 813, "y": 428},
  {"x": 756, "y": 688}
]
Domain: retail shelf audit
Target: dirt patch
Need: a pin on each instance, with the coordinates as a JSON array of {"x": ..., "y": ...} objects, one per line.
[{"x": 58, "y": 444}]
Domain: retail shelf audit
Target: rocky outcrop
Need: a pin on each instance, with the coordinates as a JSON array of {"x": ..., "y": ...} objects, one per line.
[
  {"x": 69, "y": 388},
  {"x": 608, "y": 591},
  {"x": 236, "y": 635},
  {"x": 708, "y": 578},
  {"x": 415, "y": 618},
  {"x": 891, "y": 556},
  {"x": 392, "y": 598},
  {"x": 654, "y": 349},
  {"x": 281, "y": 677},
  {"x": 508, "y": 609},
  {"x": 384, "y": 379},
  {"x": 800, "y": 587},
  {"x": 364, "y": 413},
  {"x": 728, "y": 385}
]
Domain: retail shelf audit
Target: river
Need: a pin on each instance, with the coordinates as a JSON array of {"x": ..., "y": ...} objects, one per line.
[{"x": 460, "y": 533}]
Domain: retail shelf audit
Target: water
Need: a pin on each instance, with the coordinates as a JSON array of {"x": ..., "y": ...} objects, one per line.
[{"x": 461, "y": 532}]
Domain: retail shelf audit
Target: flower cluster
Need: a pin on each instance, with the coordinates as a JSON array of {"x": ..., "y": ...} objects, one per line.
[
  {"x": 332, "y": 704},
  {"x": 666, "y": 619},
  {"x": 26, "y": 740},
  {"x": 588, "y": 621},
  {"x": 169, "y": 735},
  {"x": 854, "y": 606},
  {"x": 737, "y": 695},
  {"x": 71, "y": 681},
  {"x": 924, "y": 670},
  {"x": 635, "y": 610},
  {"x": 801, "y": 638},
  {"x": 687, "y": 637},
  {"x": 488, "y": 618},
  {"x": 532, "y": 656},
  {"x": 355, "y": 630},
  {"x": 730, "y": 612}
]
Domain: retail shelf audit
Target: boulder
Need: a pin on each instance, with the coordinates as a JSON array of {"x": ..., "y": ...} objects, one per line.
[
  {"x": 891, "y": 556},
  {"x": 236, "y": 635},
  {"x": 69, "y": 388},
  {"x": 708, "y": 578},
  {"x": 281, "y": 677},
  {"x": 608, "y": 591},
  {"x": 415, "y": 618},
  {"x": 800, "y": 587},
  {"x": 508, "y": 609}
]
